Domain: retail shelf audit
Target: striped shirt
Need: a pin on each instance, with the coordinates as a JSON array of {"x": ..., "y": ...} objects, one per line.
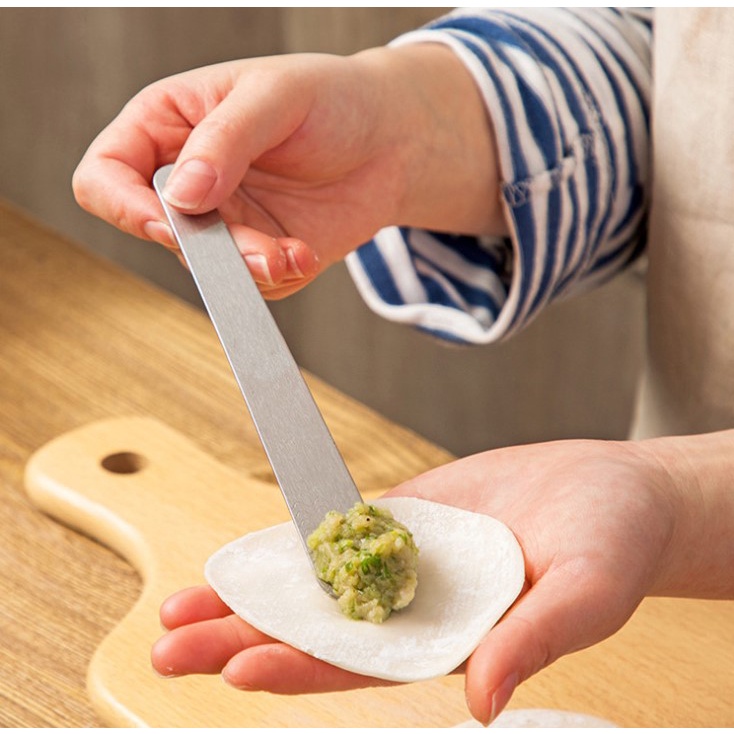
[{"x": 568, "y": 92}]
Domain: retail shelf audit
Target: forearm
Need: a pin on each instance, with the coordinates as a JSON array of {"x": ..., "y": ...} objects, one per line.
[{"x": 699, "y": 560}]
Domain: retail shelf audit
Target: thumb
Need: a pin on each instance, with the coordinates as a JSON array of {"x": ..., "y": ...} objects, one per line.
[
  {"x": 563, "y": 612},
  {"x": 221, "y": 147}
]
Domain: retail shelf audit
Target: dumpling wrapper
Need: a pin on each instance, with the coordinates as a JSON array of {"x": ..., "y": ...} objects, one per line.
[
  {"x": 470, "y": 570},
  {"x": 542, "y": 719}
]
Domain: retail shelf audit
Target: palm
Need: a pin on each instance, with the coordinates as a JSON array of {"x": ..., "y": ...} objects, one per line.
[
  {"x": 593, "y": 520},
  {"x": 329, "y": 215}
]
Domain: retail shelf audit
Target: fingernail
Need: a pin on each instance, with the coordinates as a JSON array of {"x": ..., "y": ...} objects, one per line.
[
  {"x": 259, "y": 268},
  {"x": 502, "y": 695},
  {"x": 238, "y": 686},
  {"x": 190, "y": 183},
  {"x": 293, "y": 265},
  {"x": 159, "y": 232},
  {"x": 167, "y": 675}
]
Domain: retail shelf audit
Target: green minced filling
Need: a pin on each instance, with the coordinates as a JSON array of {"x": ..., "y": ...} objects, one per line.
[{"x": 369, "y": 559}]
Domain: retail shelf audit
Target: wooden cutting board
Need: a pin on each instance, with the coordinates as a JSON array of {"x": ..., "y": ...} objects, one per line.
[{"x": 152, "y": 495}]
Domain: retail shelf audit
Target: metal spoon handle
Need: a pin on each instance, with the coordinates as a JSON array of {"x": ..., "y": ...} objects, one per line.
[{"x": 309, "y": 469}]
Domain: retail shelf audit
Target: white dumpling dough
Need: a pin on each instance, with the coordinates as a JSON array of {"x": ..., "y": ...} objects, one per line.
[
  {"x": 470, "y": 570},
  {"x": 542, "y": 719}
]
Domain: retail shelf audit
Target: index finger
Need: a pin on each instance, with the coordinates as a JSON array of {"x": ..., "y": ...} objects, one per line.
[
  {"x": 113, "y": 180},
  {"x": 122, "y": 196}
]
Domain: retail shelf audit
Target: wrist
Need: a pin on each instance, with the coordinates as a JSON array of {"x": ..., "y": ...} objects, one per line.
[
  {"x": 700, "y": 554},
  {"x": 433, "y": 115}
]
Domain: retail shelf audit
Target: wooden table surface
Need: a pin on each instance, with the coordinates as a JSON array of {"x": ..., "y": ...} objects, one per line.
[{"x": 81, "y": 340}]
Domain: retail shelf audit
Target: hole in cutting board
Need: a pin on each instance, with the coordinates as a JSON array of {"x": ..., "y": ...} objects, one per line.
[{"x": 124, "y": 462}]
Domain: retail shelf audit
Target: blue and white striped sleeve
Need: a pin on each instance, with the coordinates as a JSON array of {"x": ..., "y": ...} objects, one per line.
[{"x": 568, "y": 92}]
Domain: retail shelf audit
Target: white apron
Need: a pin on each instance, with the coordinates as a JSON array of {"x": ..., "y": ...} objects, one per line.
[{"x": 688, "y": 383}]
